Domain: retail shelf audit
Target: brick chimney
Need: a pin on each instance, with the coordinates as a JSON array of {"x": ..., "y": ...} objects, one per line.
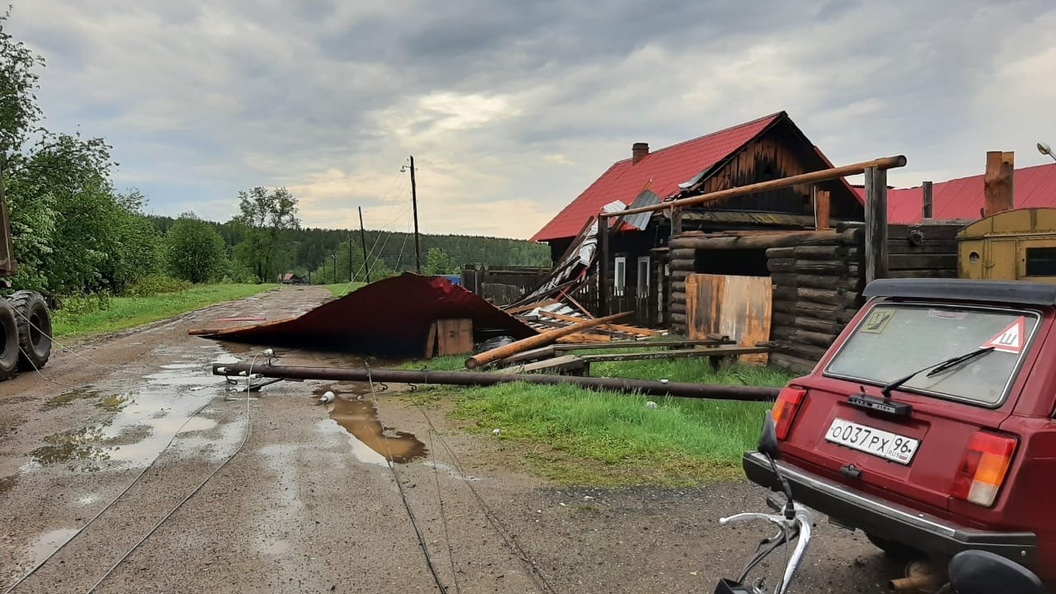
[{"x": 639, "y": 150}]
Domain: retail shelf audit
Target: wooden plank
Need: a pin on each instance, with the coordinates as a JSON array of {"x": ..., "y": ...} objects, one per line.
[
  {"x": 454, "y": 337},
  {"x": 921, "y": 261},
  {"x": 580, "y": 337},
  {"x": 928, "y": 198},
  {"x": 562, "y": 363},
  {"x": 928, "y": 247},
  {"x": 530, "y": 307},
  {"x": 722, "y": 351},
  {"x": 527, "y": 356},
  {"x": 822, "y": 209},
  {"x": 765, "y": 240},
  {"x": 928, "y": 273},
  {"x": 430, "y": 341},
  {"x": 875, "y": 224},
  {"x": 734, "y": 306}
]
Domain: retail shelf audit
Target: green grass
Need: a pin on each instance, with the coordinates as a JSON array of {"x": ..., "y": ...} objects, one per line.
[
  {"x": 87, "y": 316},
  {"x": 575, "y": 436},
  {"x": 342, "y": 289}
]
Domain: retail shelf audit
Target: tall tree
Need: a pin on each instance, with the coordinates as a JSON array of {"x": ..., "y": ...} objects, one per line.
[
  {"x": 263, "y": 215},
  {"x": 194, "y": 251}
]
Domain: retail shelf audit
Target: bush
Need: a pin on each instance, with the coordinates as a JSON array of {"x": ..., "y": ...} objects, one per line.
[{"x": 156, "y": 284}]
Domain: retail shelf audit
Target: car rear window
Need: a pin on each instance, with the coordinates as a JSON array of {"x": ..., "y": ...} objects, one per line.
[{"x": 896, "y": 339}]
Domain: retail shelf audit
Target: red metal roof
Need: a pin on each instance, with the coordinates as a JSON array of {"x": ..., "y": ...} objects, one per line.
[
  {"x": 660, "y": 171},
  {"x": 963, "y": 198}
]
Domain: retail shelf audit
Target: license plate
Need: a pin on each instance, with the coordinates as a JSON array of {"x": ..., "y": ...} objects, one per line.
[{"x": 887, "y": 445}]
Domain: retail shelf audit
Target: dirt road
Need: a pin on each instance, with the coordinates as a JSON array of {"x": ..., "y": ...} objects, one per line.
[{"x": 278, "y": 496}]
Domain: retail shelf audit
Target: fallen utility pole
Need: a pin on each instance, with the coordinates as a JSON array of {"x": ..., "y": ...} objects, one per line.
[{"x": 470, "y": 378}]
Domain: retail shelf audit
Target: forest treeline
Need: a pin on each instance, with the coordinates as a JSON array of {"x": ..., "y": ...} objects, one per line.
[{"x": 314, "y": 251}]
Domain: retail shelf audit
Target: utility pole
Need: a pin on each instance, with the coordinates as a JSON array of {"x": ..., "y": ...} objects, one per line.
[
  {"x": 363, "y": 238},
  {"x": 350, "y": 257},
  {"x": 414, "y": 203}
]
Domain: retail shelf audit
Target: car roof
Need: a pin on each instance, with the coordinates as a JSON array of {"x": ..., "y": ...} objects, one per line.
[{"x": 949, "y": 289}]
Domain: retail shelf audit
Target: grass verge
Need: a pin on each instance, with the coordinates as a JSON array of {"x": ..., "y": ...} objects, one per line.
[
  {"x": 574, "y": 436},
  {"x": 82, "y": 317},
  {"x": 342, "y": 289}
]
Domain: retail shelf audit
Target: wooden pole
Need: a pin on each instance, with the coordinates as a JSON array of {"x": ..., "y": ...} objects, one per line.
[
  {"x": 822, "y": 207},
  {"x": 538, "y": 340},
  {"x": 927, "y": 201},
  {"x": 603, "y": 264},
  {"x": 776, "y": 184},
  {"x": 997, "y": 183},
  {"x": 363, "y": 240},
  {"x": 875, "y": 224},
  {"x": 676, "y": 221},
  {"x": 414, "y": 205}
]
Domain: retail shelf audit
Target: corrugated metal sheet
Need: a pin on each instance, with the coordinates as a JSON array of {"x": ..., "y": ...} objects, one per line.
[
  {"x": 1034, "y": 187},
  {"x": 641, "y": 220},
  {"x": 390, "y": 317},
  {"x": 661, "y": 171}
]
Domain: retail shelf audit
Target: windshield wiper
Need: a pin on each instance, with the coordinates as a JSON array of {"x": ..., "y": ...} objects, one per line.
[{"x": 938, "y": 368}]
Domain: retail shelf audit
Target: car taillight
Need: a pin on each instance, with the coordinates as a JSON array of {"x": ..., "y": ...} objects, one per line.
[
  {"x": 785, "y": 409},
  {"x": 983, "y": 468}
]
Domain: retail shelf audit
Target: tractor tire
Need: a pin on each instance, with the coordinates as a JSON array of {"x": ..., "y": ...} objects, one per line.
[
  {"x": 8, "y": 341},
  {"x": 34, "y": 329}
]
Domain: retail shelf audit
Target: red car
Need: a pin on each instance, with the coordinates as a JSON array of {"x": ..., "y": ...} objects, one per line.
[{"x": 929, "y": 424}]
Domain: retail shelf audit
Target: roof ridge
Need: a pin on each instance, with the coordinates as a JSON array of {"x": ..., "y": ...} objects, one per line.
[{"x": 772, "y": 116}]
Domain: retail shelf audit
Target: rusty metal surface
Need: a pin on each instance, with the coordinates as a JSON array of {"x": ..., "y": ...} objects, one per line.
[{"x": 390, "y": 317}]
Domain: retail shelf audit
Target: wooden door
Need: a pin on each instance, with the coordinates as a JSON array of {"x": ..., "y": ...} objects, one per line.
[{"x": 734, "y": 306}]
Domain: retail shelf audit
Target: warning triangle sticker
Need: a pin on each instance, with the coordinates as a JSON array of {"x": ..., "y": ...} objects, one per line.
[{"x": 1009, "y": 340}]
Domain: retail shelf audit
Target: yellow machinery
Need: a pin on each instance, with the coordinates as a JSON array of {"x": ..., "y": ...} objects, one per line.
[{"x": 1011, "y": 245}]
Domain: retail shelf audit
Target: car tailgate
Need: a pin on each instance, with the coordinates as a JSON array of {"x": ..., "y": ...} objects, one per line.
[{"x": 915, "y": 456}]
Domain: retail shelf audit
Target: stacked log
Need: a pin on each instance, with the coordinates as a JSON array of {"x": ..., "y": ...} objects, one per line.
[{"x": 817, "y": 289}]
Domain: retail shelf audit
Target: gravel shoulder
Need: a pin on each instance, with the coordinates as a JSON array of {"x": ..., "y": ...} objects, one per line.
[{"x": 297, "y": 504}]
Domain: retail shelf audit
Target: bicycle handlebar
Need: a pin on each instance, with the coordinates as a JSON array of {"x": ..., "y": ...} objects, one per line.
[{"x": 799, "y": 528}]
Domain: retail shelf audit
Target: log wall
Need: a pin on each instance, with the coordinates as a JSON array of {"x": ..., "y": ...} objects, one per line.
[{"x": 817, "y": 289}]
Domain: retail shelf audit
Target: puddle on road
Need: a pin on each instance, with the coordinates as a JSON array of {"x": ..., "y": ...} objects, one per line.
[
  {"x": 68, "y": 398},
  {"x": 142, "y": 420},
  {"x": 360, "y": 419},
  {"x": 48, "y": 542}
]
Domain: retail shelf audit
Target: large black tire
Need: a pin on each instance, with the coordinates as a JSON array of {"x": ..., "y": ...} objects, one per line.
[
  {"x": 8, "y": 340},
  {"x": 34, "y": 329}
]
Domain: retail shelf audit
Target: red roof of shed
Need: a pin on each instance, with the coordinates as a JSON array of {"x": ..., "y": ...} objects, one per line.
[
  {"x": 660, "y": 171},
  {"x": 963, "y": 198}
]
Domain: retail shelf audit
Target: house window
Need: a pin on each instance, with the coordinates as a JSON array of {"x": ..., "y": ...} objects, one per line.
[
  {"x": 619, "y": 276},
  {"x": 643, "y": 276},
  {"x": 1041, "y": 261}
]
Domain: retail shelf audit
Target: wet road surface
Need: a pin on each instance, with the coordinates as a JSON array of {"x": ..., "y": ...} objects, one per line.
[{"x": 277, "y": 493}]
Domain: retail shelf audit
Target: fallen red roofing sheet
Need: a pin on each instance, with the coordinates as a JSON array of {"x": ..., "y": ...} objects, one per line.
[{"x": 389, "y": 317}]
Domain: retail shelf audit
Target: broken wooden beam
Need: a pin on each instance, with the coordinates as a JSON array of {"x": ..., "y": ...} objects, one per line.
[{"x": 539, "y": 340}]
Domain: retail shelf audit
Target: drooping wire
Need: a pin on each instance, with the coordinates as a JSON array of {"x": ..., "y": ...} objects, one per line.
[
  {"x": 62, "y": 348},
  {"x": 403, "y": 496},
  {"x": 443, "y": 513},
  {"x": 119, "y": 495},
  {"x": 496, "y": 524},
  {"x": 245, "y": 438}
]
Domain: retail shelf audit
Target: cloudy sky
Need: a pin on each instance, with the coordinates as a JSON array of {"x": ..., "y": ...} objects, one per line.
[{"x": 511, "y": 108}]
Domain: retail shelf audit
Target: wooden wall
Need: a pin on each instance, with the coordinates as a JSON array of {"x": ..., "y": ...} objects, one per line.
[
  {"x": 817, "y": 289},
  {"x": 926, "y": 250}
]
